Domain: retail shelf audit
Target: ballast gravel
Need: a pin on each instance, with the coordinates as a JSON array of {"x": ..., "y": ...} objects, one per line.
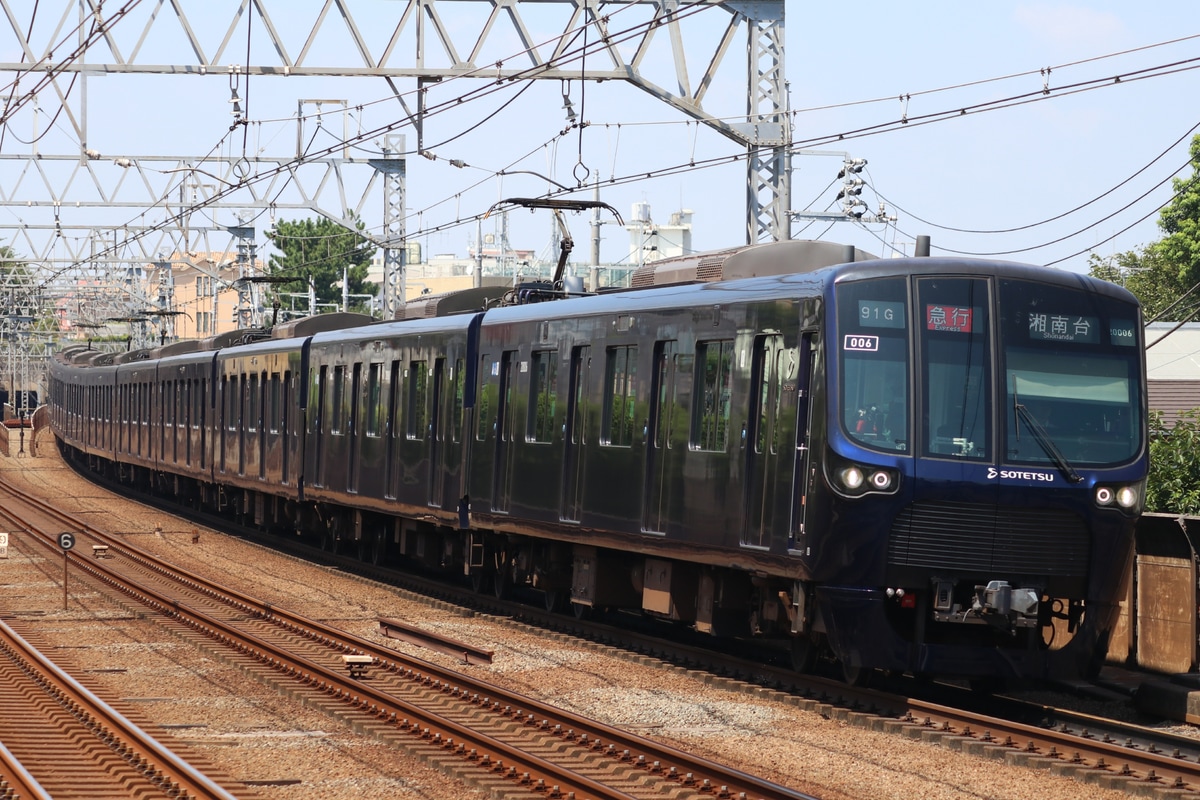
[{"x": 282, "y": 749}]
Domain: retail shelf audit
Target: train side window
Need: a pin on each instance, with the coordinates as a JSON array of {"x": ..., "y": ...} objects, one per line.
[
  {"x": 393, "y": 420},
  {"x": 487, "y": 396},
  {"x": 199, "y": 397},
  {"x": 252, "y": 402},
  {"x": 714, "y": 385},
  {"x": 352, "y": 424},
  {"x": 418, "y": 388},
  {"x": 374, "y": 393},
  {"x": 544, "y": 400},
  {"x": 275, "y": 408},
  {"x": 337, "y": 397},
  {"x": 318, "y": 418},
  {"x": 231, "y": 403},
  {"x": 619, "y": 396}
]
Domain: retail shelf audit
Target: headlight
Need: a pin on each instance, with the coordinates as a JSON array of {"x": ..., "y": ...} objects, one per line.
[
  {"x": 1127, "y": 497},
  {"x": 881, "y": 480},
  {"x": 852, "y": 478}
]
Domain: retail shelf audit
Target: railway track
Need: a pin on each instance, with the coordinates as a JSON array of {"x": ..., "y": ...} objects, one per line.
[
  {"x": 62, "y": 741},
  {"x": 1120, "y": 754},
  {"x": 481, "y": 733},
  {"x": 1113, "y": 754}
]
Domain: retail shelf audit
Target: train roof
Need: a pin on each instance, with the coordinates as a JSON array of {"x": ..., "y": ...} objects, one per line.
[
  {"x": 749, "y": 261},
  {"x": 178, "y": 348},
  {"x": 457, "y": 302},
  {"x": 318, "y": 323},
  {"x": 381, "y": 330},
  {"x": 130, "y": 356}
]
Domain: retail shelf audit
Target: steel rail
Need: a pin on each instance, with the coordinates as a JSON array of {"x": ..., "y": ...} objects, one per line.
[
  {"x": 1080, "y": 748},
  {"x": 511, "y": 762},
  {"x": 16, "y": 781},
  {"x": 111, "y": 722},
  {"x": 654, "y": 757}
]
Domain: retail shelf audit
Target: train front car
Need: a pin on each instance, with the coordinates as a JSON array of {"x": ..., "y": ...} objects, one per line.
[{"x": 986, "y": 466}]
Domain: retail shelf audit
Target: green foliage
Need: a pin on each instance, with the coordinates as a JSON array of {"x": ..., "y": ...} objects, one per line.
[
  {"x": 1173, "y": 486},
  {"x": 320, "y": 250},
  {"x": 1152, "y": 279},
  {"x": 1180, "y": 221},
  {"x": 1165, "y": 270}
]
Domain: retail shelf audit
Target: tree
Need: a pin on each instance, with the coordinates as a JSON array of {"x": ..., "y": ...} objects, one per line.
[
  {"x": 1180, "y": 221},
  {"x": 1173, "y": 485},
  {"x": 1165, "y": 270},
  {"x": 321, "y": 251},
  {"x": 1154, "y": 281}
]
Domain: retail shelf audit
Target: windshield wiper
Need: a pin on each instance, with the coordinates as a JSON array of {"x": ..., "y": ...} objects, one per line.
[{"x": 1043, "y": 437}]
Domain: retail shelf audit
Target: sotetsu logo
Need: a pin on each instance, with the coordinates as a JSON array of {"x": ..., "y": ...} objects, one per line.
[{"x": 1021, "y": 475}]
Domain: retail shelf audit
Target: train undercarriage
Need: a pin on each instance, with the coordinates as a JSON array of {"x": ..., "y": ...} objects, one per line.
[
  {"x": 569, "y": 577},
  {"x": 583, "y": 579}
]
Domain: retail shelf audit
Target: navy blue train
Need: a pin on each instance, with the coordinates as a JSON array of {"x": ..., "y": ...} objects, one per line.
[{"x": 918, "y": 465}]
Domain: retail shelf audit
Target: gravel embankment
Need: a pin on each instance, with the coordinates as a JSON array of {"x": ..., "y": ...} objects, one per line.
[{"x": 293, "y": 753}]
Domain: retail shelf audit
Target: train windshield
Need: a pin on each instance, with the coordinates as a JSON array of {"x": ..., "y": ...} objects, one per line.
[
  {"x": 873, "y": 323},
  {"x": 1053, "y": 370},
  {"x": 1072, "y": 383}
]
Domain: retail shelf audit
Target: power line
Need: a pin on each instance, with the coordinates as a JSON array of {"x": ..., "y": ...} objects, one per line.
[{"x": 1048, "y": 220}]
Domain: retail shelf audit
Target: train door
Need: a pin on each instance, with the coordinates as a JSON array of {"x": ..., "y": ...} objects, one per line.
[
  {"x": 656, "y": 492},
  {"x": 285, "y": 428},
  {"x": 243, "y": 420},
  {"x": 352, "y": 430},
  {"x": 170, "y": 445},
  {"x": 272, "y": 456},
  {"x": 201, "y": 420},
  {"x": 506, "y": 429},
  {"x": 453, "y": 478},
  {"x": 255, "y": 427},
  {"x": 186, "y": 409},
  {"x": 391, "y": 478},
  {"x": 769, "y": 363},
  {"x": 575, "y": 440},
  {"x": 225, "y": 425},
  {"x": 319, "y": 424},
  {"x": 805, "y": 375},
  {"x": 436, "y": 433}
]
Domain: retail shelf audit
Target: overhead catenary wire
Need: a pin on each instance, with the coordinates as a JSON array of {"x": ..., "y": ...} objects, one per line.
[
  {"x": 287, "y": 166},
  {"x": 993, "y": 105},
  {"x": 1056, "y": 217}
]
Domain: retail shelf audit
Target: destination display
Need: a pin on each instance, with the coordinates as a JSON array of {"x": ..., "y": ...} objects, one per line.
[{"x": 1064, "y": 328}]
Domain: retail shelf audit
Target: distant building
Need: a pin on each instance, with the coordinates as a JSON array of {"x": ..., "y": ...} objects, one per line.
[
  {"x": 1173, "y": 368},
  {"x": 201, "y": 289},
  {"x": 650, "y": 241},
  {"x": 500, "y": 263}
]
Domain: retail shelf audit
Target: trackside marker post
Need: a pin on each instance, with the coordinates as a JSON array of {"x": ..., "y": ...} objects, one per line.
[{"x": 66, "y": 540}]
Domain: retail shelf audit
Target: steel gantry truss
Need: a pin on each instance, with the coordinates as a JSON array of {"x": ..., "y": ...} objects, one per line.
[{"x": 76, "y": 39}]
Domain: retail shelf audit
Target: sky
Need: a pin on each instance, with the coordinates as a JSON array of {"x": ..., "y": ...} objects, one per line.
[{"x": 1054, "y": 159}]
